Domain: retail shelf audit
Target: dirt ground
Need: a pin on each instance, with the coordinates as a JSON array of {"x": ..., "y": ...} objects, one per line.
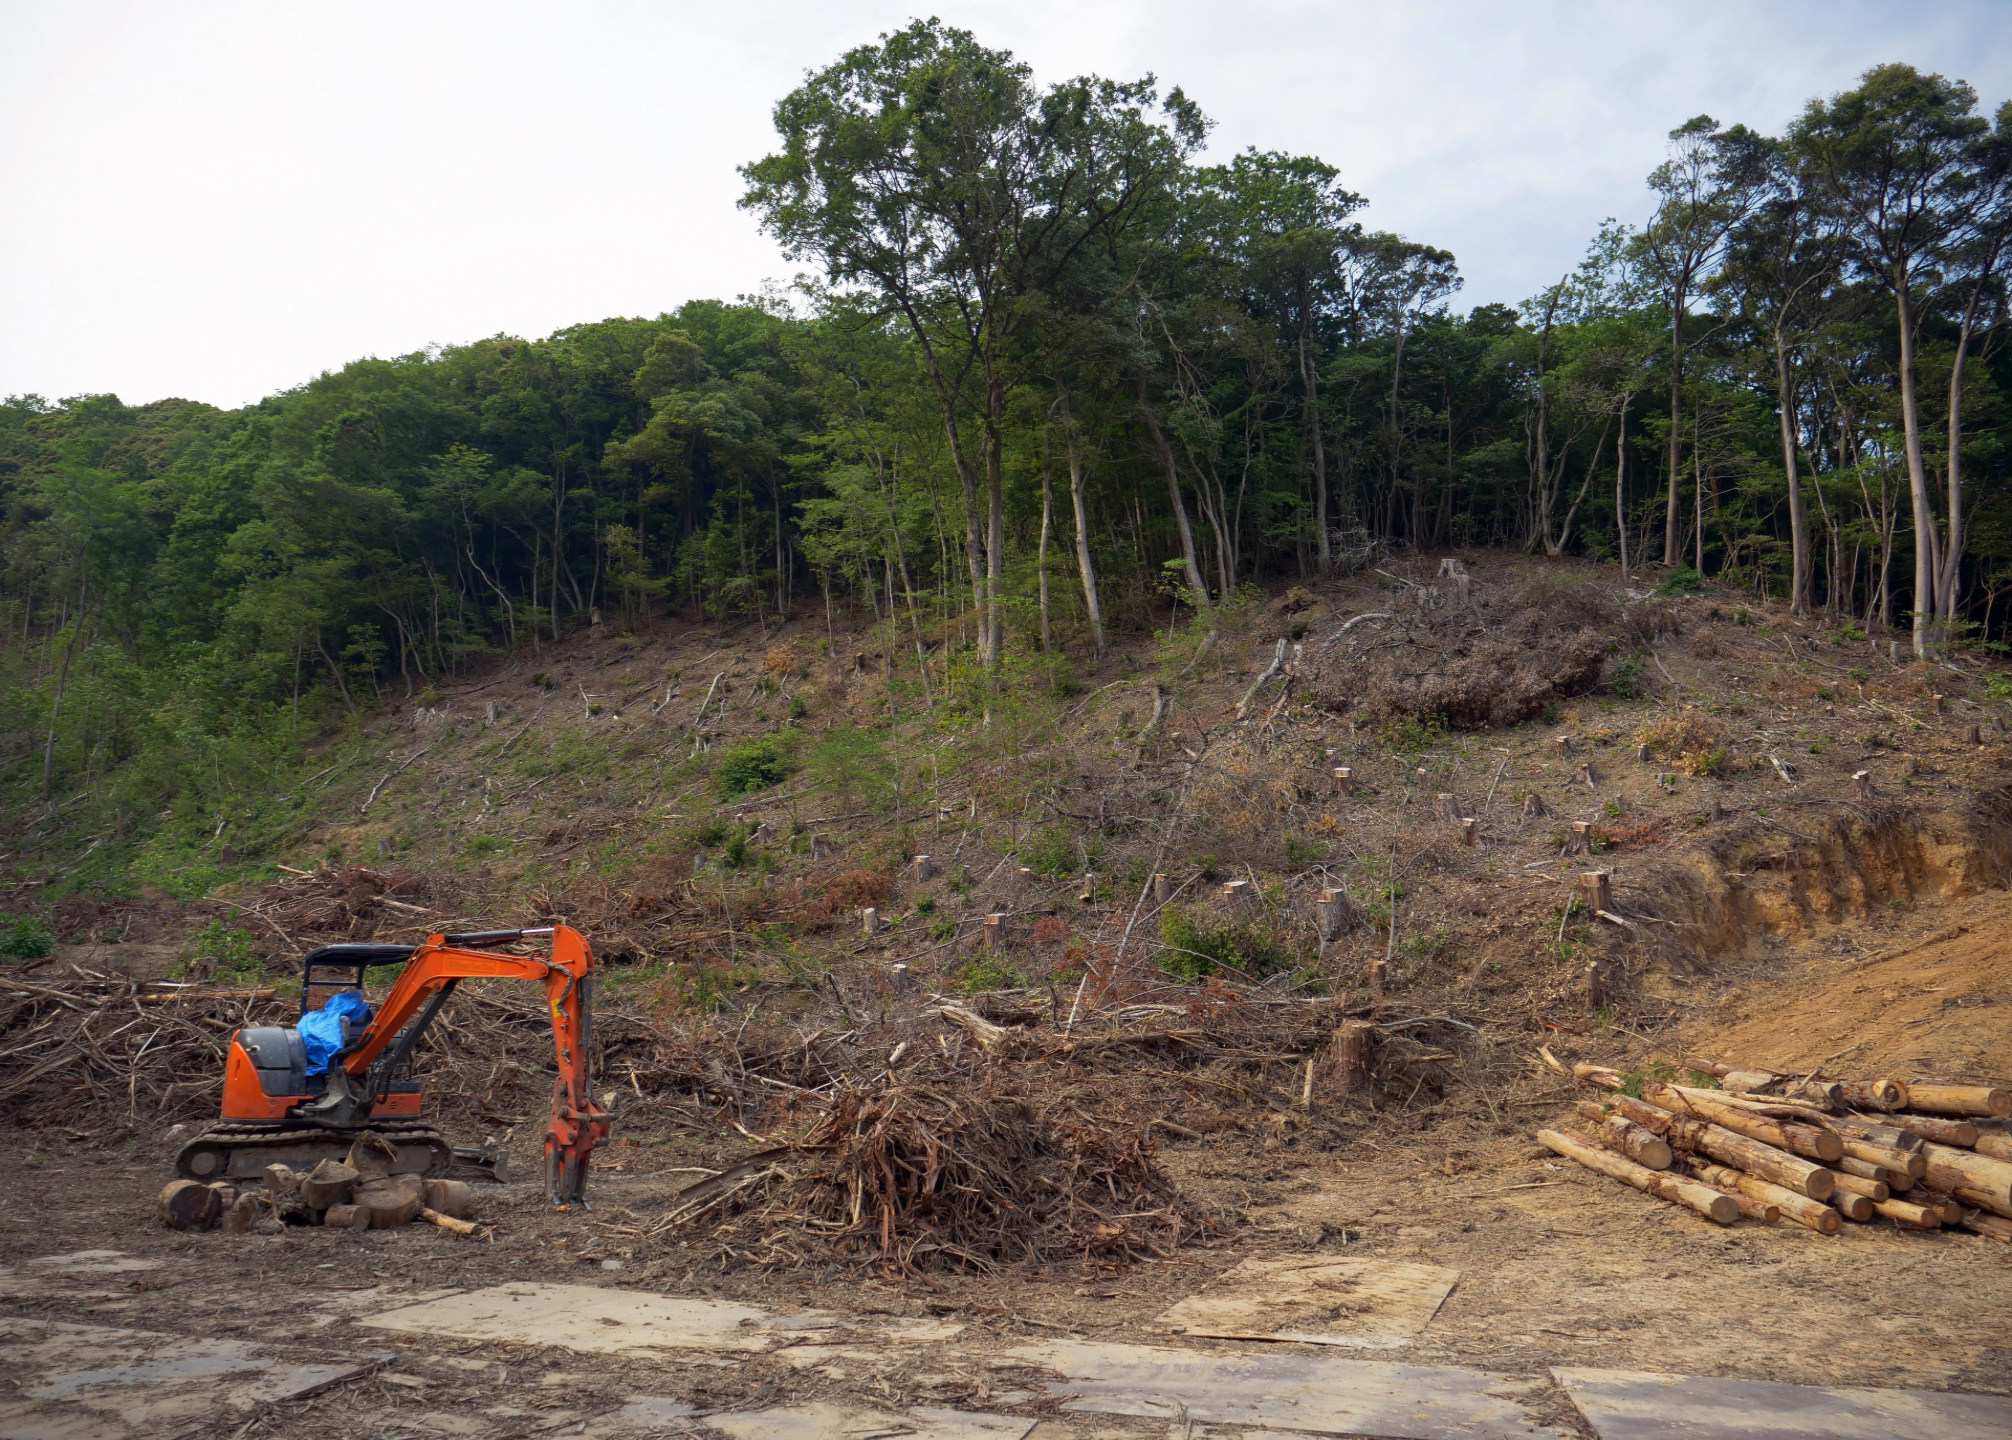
[{"x": 1557, "y": 1266}]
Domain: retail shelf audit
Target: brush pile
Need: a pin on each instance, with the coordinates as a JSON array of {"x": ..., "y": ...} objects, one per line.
[
  {"x": 909, "y": 1176},
  {"x": 1728, "y": 1141},
  {"x": 73, "y": 1048}
]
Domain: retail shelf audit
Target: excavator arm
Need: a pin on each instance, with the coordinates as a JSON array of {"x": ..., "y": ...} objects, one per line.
[{"x": 360, "y": 1073}]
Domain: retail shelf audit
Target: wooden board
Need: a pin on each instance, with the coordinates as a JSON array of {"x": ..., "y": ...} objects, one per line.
[
  {"x": 1316, "y": 1300},
  {"x": 1634, "y": 1405}
]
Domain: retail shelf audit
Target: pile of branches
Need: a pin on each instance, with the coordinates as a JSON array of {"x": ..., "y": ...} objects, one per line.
[
  {"x": 347, "y": 902},
  {"x": 1470, "y": 655},
  {"x": 908, "y": 1175},
  {"x": 92, "y": 1049}
]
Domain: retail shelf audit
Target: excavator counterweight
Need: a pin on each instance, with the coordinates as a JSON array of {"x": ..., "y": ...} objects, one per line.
[{"x": 273, "y": 1113}]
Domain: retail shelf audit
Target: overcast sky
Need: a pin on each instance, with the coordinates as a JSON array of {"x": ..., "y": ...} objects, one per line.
[{"x": 221, "y": 200}]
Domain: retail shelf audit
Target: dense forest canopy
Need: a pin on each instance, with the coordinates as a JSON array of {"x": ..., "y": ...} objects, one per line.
[{"x": 1047, "y": 374}]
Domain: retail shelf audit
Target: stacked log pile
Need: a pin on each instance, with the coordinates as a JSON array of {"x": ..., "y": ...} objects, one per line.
[
  {"x": 1730, "y": 1142},
  {"x": 361, "y": 1193}
]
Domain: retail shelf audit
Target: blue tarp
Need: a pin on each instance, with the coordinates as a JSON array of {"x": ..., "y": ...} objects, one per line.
[{"x": 321, "y": 1030}]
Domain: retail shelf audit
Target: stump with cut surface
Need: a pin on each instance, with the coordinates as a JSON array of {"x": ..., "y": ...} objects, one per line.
[
  {"x": 187, "y": 1205},
  {"x": 1355, "y": 1053}
]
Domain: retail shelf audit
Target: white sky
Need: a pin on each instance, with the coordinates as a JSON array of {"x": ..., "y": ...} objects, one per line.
[{"x": 220, "y": 200}]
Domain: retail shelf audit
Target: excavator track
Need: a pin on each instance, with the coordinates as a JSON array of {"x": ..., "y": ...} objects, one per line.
[{"x": 243, "y": 1150}]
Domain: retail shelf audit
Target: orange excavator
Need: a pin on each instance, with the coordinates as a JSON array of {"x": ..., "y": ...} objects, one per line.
[{"x": 272, "y": 1113}]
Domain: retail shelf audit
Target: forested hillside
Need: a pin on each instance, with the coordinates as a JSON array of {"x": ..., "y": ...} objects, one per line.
[{"x": 1049, "y": 378}]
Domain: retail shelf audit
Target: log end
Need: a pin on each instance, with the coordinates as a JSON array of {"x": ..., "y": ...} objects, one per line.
[
  {"x": 1655, "y": 1153},
  {"x": 1724, "y": 1209}
]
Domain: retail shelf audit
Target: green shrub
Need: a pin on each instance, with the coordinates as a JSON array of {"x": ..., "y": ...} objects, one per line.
[
  {"x": 227, "y": 948},
  {"x": 986, "y": 972},
  {"x": 753, "y": 764},
  {"x": 1195, "y": 951},
  {"x": 1681, "y": 581},
  {"x": 25, "y": 938},
  {"x": 1050, "y": 852}
]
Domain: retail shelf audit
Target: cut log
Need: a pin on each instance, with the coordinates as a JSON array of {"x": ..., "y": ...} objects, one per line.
[
  {"x": 187, "y": 1205},
  {"x": 1762, "y": 1084},
  {"x": 1912, "y": 1165},
  {"x": 1617, "y": 1132},
  {"x": 1787, "y": 1135},
  {"x": 390, "y": 1204},
  {"x": 1921, "y": 1217},
  {"x": 1743, "y": 1152},
  {"x": 372, "y": 1155},
  {"x": 1859, "y": 1185},
  {"x": 1983, "y": 1200},
  {"x": 346, "y": 1217},
  {"x": 1790, "y": 1204},
  {"x": 1724, "y": 1177},
  {"x": 239, "y": 1218},
  {"x": 1948, "y": 1168},
  {"x": 1715, "y": 1206},
  {"x": 449, "y": 1222},
  {"x": 1649, "y": 1117},
  {"x": 1998, "y": 1147},
  {"x": 1355, "y": 1053},
  {"x": 1881, "y": 1094},
  {"x": 1959, "y": 1099},
  {"x": 1638, "y": 1144},
  {"x": 1991, "y": 1226},
  {"x": 1878, "y": 1132},
  {"x": 329, "y": 1183},
  {"x": 1960, "y": 1133},
  {"x": 451, "y": 1197},
  {"x": 1853, "y": 1206},
  {"x": 1948, "y": 1204}
]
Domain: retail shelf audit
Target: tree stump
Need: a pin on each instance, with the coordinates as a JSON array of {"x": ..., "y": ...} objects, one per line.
[
  {"x": 869, "y": 921},
  {"x": 1597, "y": 890},
  {"x": 1333, "y": 915},
  {"x": 1581, "y": 839},
  {"x": 329, "y": 1184},
  {"x": 1355, "y": 1053},
  {"x": 1163, "y": 889},
  {"x": 451, "y": 1197},
  {"x": 1598, "y": 993},
  {"x": 1449, "y": 808},
  {"x": 922, "y": 869},
  {"x": 1562, "y": 744},
  {"x": 1586, "y": 774},
  {"x": 1534, "y": 807},
  {"x": 187, "y": 1205},
  {"x": 993, "y": 932},
  {"x": 1861, "y": 784},
  {"x": 1379, "y": 976},
  {"x": 1344, "y": 779},
  {"x": 900, "y": 979},
  {"x": 1470, "y": 831},
  {"x": 1239, "y": 895},
  {"x": 1973, "y": 735},
  {"x": 1642, "y": 753},
  {"x": 1718, "y": 810}
]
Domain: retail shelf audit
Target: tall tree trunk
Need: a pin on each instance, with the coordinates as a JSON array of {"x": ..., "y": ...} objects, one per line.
[
  {"x": 1952, "y": 550},
  {"x": 1084, "y": 565},
  {"x": 1798, "y": 520},
  {"x": 1047, "y": 524},
  {"x": 62, "y": 679},
  {"x": 1917, "y": 472},
  {"x": 1621, "y": 482},
  {"x": 1190, "y": 565},
  {"x": 995, "y": 535},
  {"x": 1670, "y": 547},
  {"x": 1309, "y": 379}
]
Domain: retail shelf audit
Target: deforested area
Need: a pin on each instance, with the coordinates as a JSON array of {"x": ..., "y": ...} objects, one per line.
[{"x": 1114, "y": 784}]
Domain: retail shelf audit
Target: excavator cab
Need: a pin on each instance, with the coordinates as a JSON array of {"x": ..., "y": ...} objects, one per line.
[{"x": 295, "y": 1098}]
